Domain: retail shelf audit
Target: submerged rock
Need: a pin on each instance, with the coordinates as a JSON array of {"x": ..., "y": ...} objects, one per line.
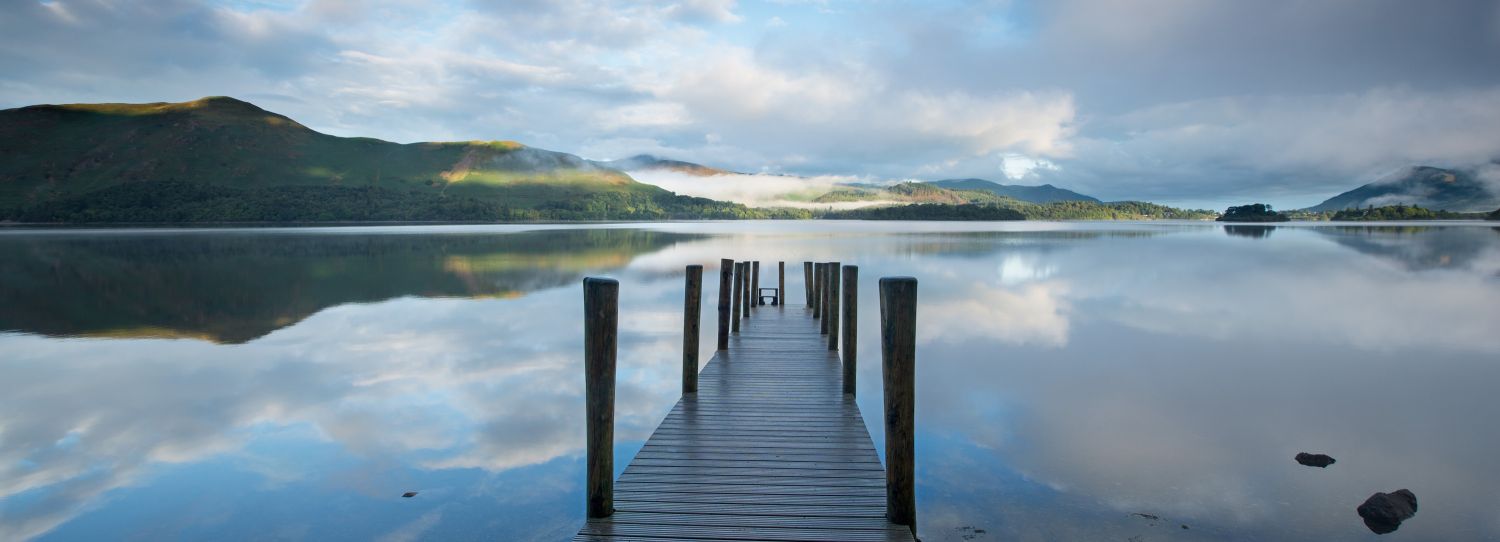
[
  {"x": 1315, "y": 460},
  {"x": 1384, "y": 512}
]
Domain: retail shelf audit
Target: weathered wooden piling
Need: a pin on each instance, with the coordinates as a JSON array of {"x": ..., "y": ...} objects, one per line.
[
  {"x": 833, "y": 304},
  {"x": 818, "y": 289},
  {"x": 898, "y": 340},
  {"x": 823, "y": 292},
  {"x": 755, "y": 284},
  {"x": 781, "y": 283},
  {"x": 833, "y": 273},
  {"x": 601, "y": 304},
  {"x": 745, "y": 292},
  {"x": 734, "y": 312},
  {"x": 692, "y": 306},
  {"x": 726, "y": 281},
  {"x": 850, "y": 341},
  {"x": 824, "y": 302},
  {"x": 807, "y": 282}
]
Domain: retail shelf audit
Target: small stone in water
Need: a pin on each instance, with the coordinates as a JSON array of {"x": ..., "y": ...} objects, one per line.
[
  {"x": 1315, "y": 460},
  {"x": 1384, "y": 512}
]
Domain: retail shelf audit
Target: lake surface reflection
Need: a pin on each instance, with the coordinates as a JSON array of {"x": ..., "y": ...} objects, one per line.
[{"x": 1091, "y": 381}]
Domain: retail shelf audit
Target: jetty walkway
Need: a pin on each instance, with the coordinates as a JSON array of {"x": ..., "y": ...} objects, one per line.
[{"x": 766, "y": 442}]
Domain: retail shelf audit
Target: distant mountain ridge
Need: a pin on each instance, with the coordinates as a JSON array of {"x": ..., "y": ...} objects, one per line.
[
  {"x": 1426, "y": 186},
  {"x": 1035, "y": 194},
  {"x": 948, "y": 191},
  {"x": 647, "y": 161}
]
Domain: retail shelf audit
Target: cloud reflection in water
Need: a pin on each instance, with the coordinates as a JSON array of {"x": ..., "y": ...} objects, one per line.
[{"x": 1070, "y": 375}]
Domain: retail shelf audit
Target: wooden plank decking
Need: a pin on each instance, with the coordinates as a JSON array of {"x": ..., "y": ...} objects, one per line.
[{"x": 769, "y": 448}]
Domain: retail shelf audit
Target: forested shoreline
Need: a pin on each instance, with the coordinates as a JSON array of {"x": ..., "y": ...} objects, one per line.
[{"x": 185, "y": 202}]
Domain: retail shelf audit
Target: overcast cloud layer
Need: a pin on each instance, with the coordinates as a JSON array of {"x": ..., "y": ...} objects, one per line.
[{"x": 1180, "y": 101}]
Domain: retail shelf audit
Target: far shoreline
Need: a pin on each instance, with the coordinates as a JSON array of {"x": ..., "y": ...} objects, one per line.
[{"x": 21, "y": 227}]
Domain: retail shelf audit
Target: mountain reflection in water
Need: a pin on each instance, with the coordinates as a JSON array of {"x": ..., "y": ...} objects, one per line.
[{"x": 237, "y": 287}]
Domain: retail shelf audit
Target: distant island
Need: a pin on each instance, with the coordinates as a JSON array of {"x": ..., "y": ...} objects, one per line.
[{"x": 1255, "y": 212}]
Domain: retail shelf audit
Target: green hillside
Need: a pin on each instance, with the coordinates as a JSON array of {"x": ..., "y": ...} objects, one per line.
[
  {"x": 1429, "y": 187},
  {"x": 1401, "y": 212},
  {"x": 223, "y": 159}
]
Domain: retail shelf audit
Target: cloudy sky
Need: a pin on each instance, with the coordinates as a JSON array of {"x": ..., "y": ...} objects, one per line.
[{"x": 1189, "y": 102}]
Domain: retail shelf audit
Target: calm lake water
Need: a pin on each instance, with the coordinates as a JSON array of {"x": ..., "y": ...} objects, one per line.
[{"x": 1074, "y": 380}]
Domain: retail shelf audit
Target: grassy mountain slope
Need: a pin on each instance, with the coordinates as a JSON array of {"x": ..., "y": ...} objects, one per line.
[
  {"x": 64, "y": 160},
  {"x": 1430, "y": 187},
  {"x": 1034, "y": 194}
]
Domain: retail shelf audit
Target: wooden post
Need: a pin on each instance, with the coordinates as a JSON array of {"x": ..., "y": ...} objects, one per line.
[
  {"x": 734, "y": 312},
  {"x": 818, "y": 289},
  {"x": 898, "y": 343},
  {"x": 833, "y": 305},
  {"x": 851, "y": 321},
  {"x": 823, "y": 303},
  {"x": 692, "y": 306},
  {"x": 781, "y": 283},
  {"x": 755, "y": 285},
  {"x": 745, "y": 292},
  {"x": 601, "y": 304},
  {"x": 726, "y": 281},
  {"x": 807, "y": 282}
]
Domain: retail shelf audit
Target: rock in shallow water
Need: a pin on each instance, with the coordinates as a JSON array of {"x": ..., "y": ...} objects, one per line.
[
  {"x": 1384, "y": 512},
  {"x": 1315, "y": 460}
]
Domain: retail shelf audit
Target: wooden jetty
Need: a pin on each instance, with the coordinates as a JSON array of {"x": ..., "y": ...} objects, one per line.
[{"x": 766, "y": 442}]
